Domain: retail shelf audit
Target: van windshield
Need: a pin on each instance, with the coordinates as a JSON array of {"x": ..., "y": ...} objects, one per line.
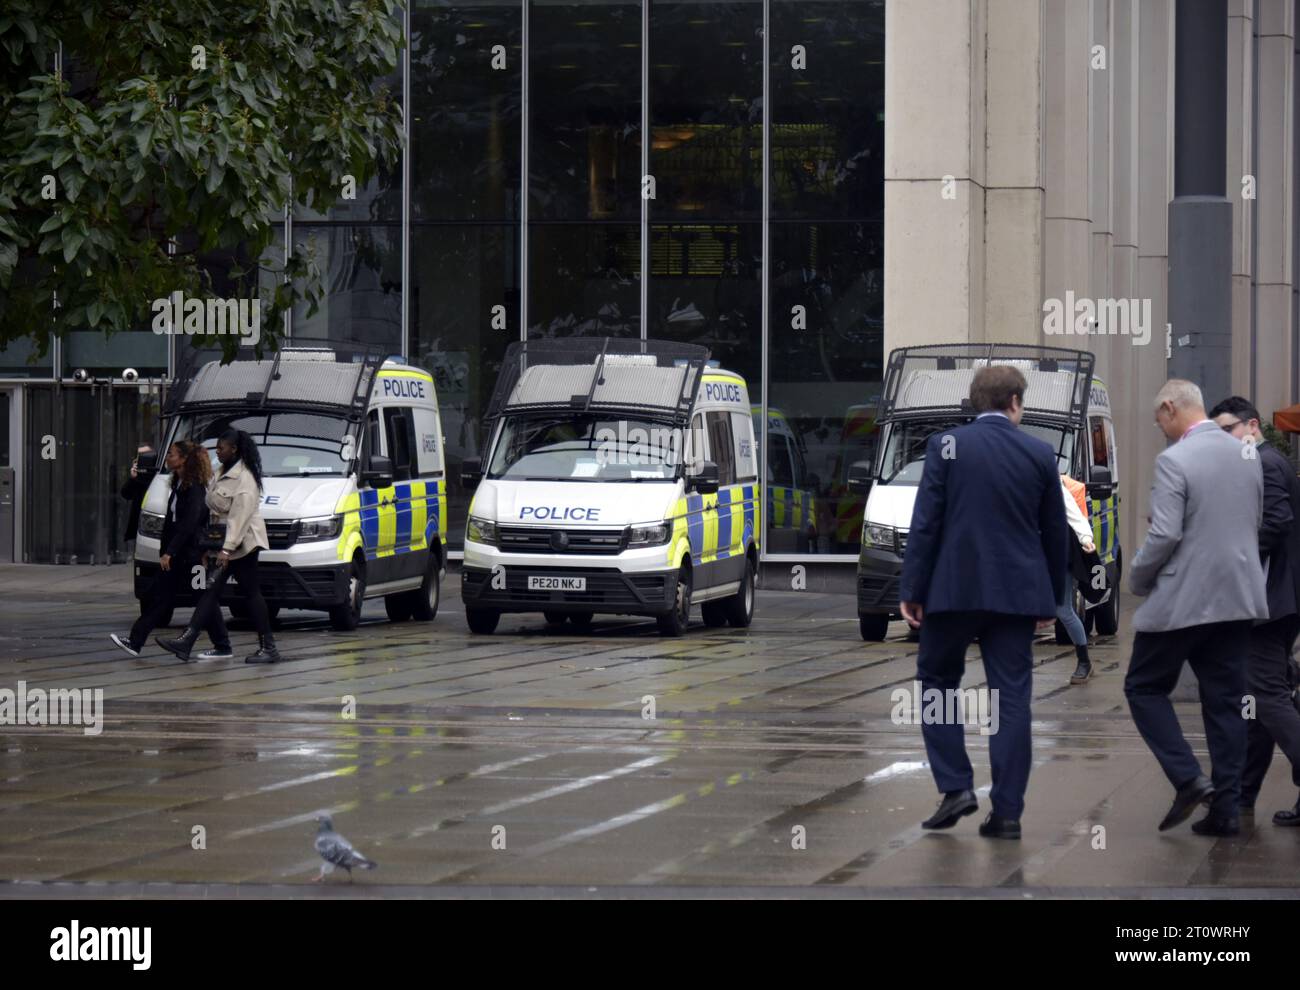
[
  {"x": 291, "y": 444},
  {"x": 904, "y": 457},
  {"x": 585, "y": 448}
]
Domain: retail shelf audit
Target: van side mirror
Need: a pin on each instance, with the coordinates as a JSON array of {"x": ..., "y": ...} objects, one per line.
[
  {"x": 706, "y": 480},
  {"x": 380, "y": 472},
  {"x": 1100, "y": 484},
  {"x": 471, "y": 473},
  {"x": 860, "y": 479}
]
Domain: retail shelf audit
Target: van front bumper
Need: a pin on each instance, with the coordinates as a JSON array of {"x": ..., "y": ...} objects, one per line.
[
  {"x": 608, "y": 590},
  {"x": 879, "y": 572},
  {"x": 317, "y": 588}
]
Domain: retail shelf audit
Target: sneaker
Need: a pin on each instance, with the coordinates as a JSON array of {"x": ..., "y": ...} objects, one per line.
[
  {"x": 215, "y": 654},
  {"x": 124, "y": 644}
]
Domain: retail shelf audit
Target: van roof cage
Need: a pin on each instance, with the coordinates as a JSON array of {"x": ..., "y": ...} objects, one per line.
[
  {"x": 655, "y": 378},
  {"x": 936, "y": 378},
  {"x": 328, "y": 375}
]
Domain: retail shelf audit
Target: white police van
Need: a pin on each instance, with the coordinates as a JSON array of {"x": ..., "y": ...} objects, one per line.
[
  {"x": 355, "y": 493},
  {"x": 621, "y": 477},
  {"x": 926, "y": 390}
]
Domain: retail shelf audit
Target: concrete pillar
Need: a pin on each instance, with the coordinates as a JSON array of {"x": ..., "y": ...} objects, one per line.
[
  {"x": 1014, "y": 189},
  {"x": 1125, "y": 64},
  {"x": 934, "y": 127},
  {"x": 1155, "y": 189},
  {"x": 1275, "y": 348},
  {"x": 1101, "y": 116},
  {"x": 1067, "y": 226},
  {"x": 1240, "y": 162}
]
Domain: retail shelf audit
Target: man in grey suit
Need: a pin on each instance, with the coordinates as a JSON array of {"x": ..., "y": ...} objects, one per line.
[{"x": 1200, "y": 573}]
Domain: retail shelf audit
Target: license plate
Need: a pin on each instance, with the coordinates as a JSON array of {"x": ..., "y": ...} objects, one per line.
[{"x": 539, "y": 583}]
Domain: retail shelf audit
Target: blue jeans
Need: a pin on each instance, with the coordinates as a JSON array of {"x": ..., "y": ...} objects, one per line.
[{"x": 1069, "y": 618}]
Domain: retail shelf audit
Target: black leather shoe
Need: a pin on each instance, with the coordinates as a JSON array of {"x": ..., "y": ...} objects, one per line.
[
  {"x": 954, "y": 806},
  {"x": 1198, "y": 791},
  {"x": 997, "y": 827},
  {"x": 1289, "y": 818},
  {"x": 1211, "y": 825},
  {"x": 181, "y": 645}
]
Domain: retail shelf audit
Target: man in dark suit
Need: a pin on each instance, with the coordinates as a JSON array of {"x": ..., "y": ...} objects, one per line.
[
  {"x": 1276, "y": 720},
  {"x": 986, "y": 557}
]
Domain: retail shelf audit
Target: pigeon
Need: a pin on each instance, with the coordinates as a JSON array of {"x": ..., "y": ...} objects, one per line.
[{"x": 337, "y": 851}]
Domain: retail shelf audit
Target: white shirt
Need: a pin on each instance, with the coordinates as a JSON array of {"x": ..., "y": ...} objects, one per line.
[{"x": 1077, "y": 520}]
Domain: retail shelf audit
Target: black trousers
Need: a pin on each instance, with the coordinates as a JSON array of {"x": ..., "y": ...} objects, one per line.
[
  {"x": 1217, "y": 652},
  {"x": 244, "y": 571},
  {"x": 162, "y": 599},
  {"x": 1276, "y": 720}
]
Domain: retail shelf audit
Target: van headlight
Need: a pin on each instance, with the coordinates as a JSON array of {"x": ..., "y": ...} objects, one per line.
[
  {"x": 479, "y": 530},
  {"x": 648, "y": 536},
  {"x": 151, "y": 524},
  {"x": 876, "y": 535},
  {"x": 319, "y": 528}
]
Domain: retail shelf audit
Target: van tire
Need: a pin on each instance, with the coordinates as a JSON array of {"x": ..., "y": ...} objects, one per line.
[
  {"x": 555, "y": 618},
  {"x": 482, "y": 621},
  {"x": 347, "y": 616},
  {"x": 739, "y": 608},
  {"x": 714, "y": 613},
  {"x": 874, "y": 627},
  {"x": 425, "y": 599},
  {"x": 581, "y": 620},
  {"x": 676, "y": 622},
  {"x": 398, "y": 606}
]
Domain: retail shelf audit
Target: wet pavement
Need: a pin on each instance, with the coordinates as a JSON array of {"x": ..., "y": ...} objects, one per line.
[{"x": 523, "y": 763}]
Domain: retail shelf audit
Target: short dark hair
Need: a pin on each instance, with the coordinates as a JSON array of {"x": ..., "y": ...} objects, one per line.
[
  {"x": 1243, "y": 409},
  {"x": 994, "y": 386}
]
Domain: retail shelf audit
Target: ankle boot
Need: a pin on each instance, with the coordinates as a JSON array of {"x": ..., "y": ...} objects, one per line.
[
  {"x": 1084, "y": 669},
  {"x": 182, "y": 645},
  {"x": 266, "y": 653}
]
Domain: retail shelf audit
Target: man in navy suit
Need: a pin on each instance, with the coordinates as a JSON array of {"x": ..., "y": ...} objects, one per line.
[{"x": 986, "y": 557}]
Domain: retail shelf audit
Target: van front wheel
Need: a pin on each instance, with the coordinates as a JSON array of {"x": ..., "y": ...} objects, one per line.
[
  {"x": 347, "y": 616},
  {"x": 425, "y": 599},
  {"x": 482, "y": 620},
  {"x": 676, "y": 622},
  {"x": 874, "y": 628},
  {"x": 740, "y": 606}
]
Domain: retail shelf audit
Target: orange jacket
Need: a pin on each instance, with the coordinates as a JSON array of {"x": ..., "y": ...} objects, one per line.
[{"x": 1080, "y": 493}]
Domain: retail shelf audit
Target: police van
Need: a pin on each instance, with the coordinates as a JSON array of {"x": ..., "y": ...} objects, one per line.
[
  {"x": 621, "y": 477},
  {"x": 791, "y": 502},
  {"x": 927, "y": 390},
  {"x": 355, "y": 494}
]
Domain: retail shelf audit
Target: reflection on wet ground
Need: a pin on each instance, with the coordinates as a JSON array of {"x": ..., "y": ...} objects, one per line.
[{"x": 525, "y": 762}]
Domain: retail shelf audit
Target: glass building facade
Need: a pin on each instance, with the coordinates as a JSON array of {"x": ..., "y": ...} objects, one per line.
[{"x": 699, "y": 170}]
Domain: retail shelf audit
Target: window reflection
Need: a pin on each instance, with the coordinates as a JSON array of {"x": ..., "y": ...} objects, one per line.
[
  {"x": 464, "y": 280},
  {"x": 585, "y": 280},
  {"x": 585, "y": 106},
  {"x": 825, "y": 368},
  {"x": 361, "y": 282}
]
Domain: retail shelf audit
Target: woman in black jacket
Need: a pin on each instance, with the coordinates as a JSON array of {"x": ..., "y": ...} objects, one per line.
[{"x": 187, "y": 514}]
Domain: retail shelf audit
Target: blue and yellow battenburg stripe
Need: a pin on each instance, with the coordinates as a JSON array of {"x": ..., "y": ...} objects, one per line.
[
  {"x": 789, "y": 508},
  {"x": 1104, "y": 516},
  {"x": 404, "y": 517},
  {"x": 716, "y": 526}
]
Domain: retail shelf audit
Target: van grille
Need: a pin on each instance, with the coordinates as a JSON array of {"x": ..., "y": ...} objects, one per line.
[
  {"x": 281, "y": 533},
  {"x": 523, "y": 539}
]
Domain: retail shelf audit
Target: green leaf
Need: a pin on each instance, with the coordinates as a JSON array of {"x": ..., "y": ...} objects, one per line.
[
  {"x": 71, "y": 242},
  {"x": 143, "y": 137},
  {"x": 60, "y": 157}
]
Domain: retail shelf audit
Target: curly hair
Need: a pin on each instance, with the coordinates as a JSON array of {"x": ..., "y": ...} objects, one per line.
[{"x": 196, "y": 468}]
